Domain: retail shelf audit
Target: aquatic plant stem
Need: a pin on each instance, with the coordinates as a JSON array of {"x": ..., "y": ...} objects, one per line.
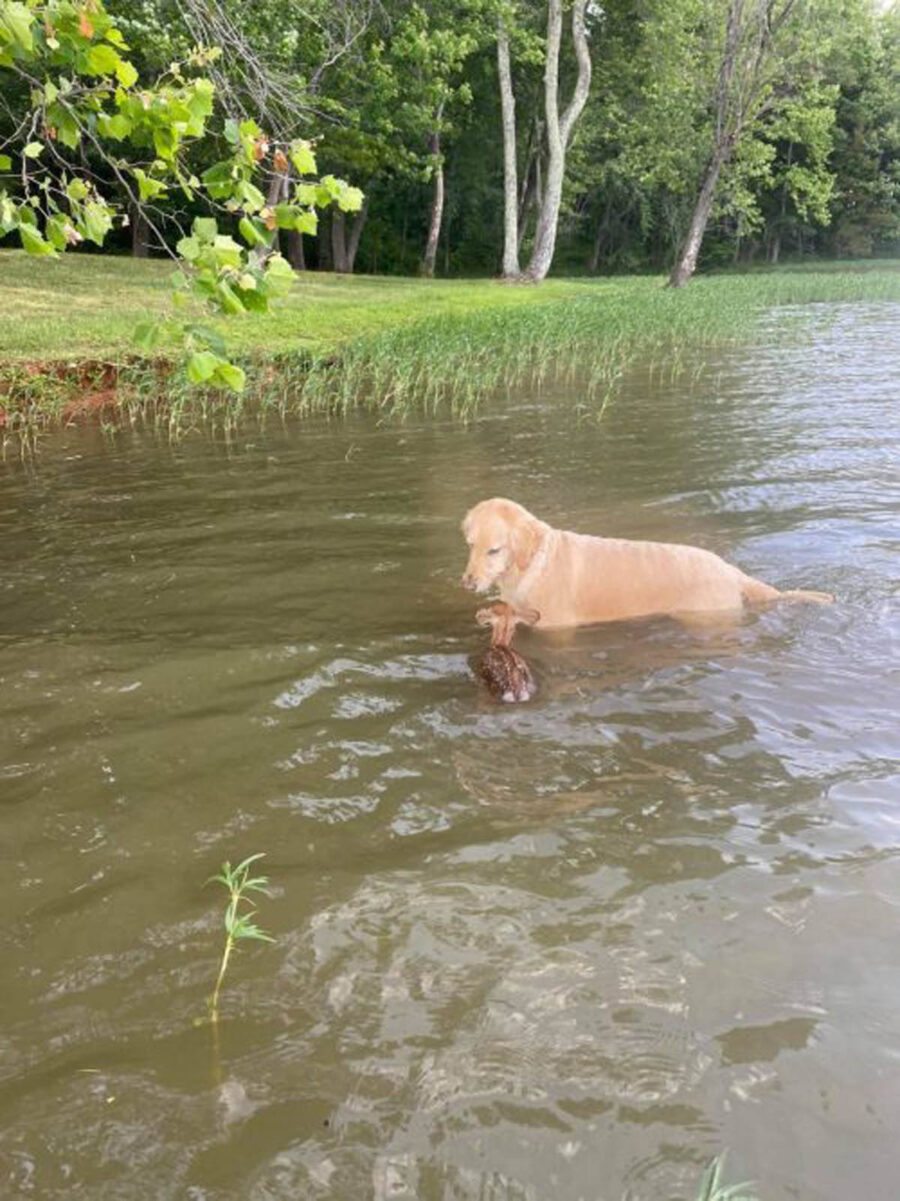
[{"x": 238, "y": 925}]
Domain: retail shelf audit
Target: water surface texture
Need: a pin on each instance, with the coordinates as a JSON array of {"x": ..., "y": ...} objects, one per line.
[{"x": 564, "y": 950}]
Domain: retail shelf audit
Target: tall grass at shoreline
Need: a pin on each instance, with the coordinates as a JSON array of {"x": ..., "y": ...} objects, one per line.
[
  {"x": 467, "y": 343},
  {"x": 455, "y": 361}
]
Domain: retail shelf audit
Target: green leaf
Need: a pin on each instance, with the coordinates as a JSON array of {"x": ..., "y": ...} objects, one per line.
[
  {"x": 303, "y": 158},
  {"x": 17, "y": 20},
  {"x": 188, "y": 248},
  {"x": 148, "y": 188},
  {"x": 33, "y": 242},
  {"x": 228, "y": 252},
  {"x": 117, "y": 127},
  {"x": 68, "y": 131},
  {"x": 285, "y": 216},
  {"x": 279, "y": 277},
  {"x": 253, "y": 299},
  {"x": 252, "y": 197},
  {"x": 200, "y": 101},
  {"x": 229, "y": 300},
  {"x": 165, "y": 141},
  {"x": 205, "y": 229},
  {"x": 233, "y": 377},
  {"x": 125, "y": 73},
  {"x": 5, "y": 162},
  {"x": 96, "y": 222},
  {"x": 253, "y": 233},
  {"x": 33, "y": 149},
  {"x": 350, "y": 200},
  {"x": 305, "y": 193},
  {"x": 201, "y": 366},
  {"x": 76, "y": 189},
  {"x": 219, "y": 180},
  {"x": 103, "y": 60},
  {"x": 56, "y": 231}
]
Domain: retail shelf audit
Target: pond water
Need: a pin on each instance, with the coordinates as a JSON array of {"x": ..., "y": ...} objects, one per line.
[{"x": 564, "y": 950}]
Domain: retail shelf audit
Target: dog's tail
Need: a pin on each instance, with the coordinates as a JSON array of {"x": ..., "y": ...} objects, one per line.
[{"x": 757, "y": 593}]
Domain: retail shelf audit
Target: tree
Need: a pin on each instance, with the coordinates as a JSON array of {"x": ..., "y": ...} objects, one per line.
[
  {"x": 510, "y": 268},
  {"x": 866, "y": 158},
  {"x": 754, "y": 36},
  {"x": 559, "y": 127},
  {"x": 81, "y": 105}
]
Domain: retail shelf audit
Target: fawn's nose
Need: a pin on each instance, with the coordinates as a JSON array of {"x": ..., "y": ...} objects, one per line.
[{"x": 469, "y": 581}]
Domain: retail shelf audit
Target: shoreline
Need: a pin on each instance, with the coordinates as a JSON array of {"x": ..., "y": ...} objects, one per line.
[{"x": 395, "y": 346}]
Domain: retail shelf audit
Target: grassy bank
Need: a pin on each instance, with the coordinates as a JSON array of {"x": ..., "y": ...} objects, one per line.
[{"x": 398, "y": 344}]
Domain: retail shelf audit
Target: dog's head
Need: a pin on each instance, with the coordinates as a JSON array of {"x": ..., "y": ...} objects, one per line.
[
  {"x": 503, "y": 619},
  {"x": 503, "y": 538}
]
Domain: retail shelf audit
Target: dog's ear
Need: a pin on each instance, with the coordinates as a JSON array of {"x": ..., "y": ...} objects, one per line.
[{"x": 525, "y": 539}]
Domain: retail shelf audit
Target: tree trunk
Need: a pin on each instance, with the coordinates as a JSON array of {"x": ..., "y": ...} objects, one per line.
[
  {"x": 339, "y": 260},
  {"x": 323, "y": 242},
  {"x": 140, "y": 233},
  {"x": 686, "y": 263},
  {"x": 559, "y": 129},
  {"x": 602, "y": 230},
  {"x": 740, "y": 96},
  {"x": 775, "y": 247},
  {"x": 437, "y": 207},
  {"x": 295, "y": 254},
  {"x": 356, "y": 229},
  {"x": 510, "y": 269},
  {"x": 527, "y": 200}
]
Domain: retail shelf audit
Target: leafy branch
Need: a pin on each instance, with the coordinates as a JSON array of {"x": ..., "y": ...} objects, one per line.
[{"x": 85, "y": 97}]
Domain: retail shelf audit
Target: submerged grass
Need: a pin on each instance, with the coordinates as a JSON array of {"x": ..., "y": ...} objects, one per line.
[{"x": 394, "y": 346}]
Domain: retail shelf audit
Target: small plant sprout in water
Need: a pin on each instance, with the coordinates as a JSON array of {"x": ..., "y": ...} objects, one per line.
[
  {"x": 238, "y": 925},
  {"x": 712, "y": 1187}
]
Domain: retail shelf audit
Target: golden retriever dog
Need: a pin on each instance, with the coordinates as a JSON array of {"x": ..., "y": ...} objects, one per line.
[{"x": 575, "y": 579}]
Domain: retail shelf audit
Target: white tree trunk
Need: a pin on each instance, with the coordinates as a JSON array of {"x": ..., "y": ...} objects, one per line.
[
  {"x": 510, "y": 268},
  {"x": 437, "y": 203},
  {"x": 559, "y": 129}
]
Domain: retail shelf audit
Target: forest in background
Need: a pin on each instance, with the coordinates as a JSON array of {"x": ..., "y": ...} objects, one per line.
[{"x": 792, "y": 107}]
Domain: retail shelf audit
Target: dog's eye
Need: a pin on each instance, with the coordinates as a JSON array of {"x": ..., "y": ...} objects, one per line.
[{"x": 495, "y": 550}]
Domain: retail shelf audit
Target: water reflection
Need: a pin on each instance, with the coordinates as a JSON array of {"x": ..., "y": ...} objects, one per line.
[{"x": 559, "y": 950}]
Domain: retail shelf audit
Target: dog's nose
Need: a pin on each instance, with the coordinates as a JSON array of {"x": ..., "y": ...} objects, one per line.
[{"x": 468, "y": 581}]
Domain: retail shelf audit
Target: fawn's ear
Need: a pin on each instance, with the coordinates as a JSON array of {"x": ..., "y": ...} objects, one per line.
[{"x": 528, "y": 617}]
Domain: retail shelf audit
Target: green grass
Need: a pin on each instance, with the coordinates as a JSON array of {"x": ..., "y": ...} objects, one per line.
[
  {"x": 390, "y": 344},
  {"x": 86, "y": 306}
]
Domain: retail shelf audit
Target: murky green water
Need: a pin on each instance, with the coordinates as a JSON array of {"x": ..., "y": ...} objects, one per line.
[{"x": 559, "y": 951}]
